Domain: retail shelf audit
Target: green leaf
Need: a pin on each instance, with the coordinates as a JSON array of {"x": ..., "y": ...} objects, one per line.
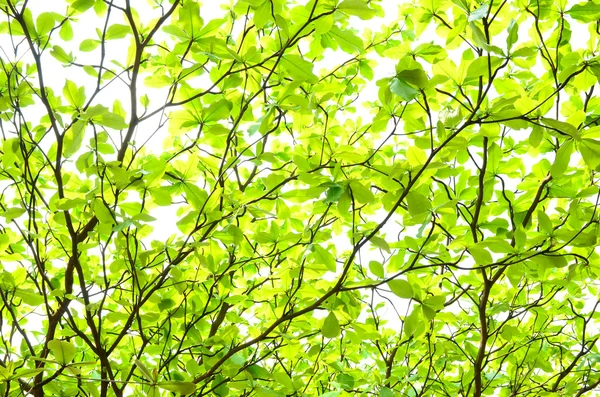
[
  {"x": 346, "y": 381},
  {"x": 145, "y": 371},
  {"x": 73, "y": 138},
  {"x": 537, "y": 134},
  {"x": 562, "y": 159},
  {"x": 324, "y": 257},
  {"x": 401, "y": 288},
  {"x": 13, "y": 213},
  {"x": 416, "y": 157},
  {"x": 561, "y": 126},
  {"x": 481, "y": 256},
  {"x": 513, "y": 34},
  {"x": 333, "y": 194},
  {"x": 479, "y": 67},
  {"x": 179, "y": 387},
  {"x": 82, "y": 5},
  {"x": 29, "y": 297},
  {"x": 479, "y": 37},
  {"x": 509, "y": 332},
  {"x": 428, "y": 312},
  {"x": 112, "y": 120},
  {"x": 331, "y": 326},
  {"x": 545, "y": 222},
  {"x": 27, "y": 373},
  {"x": 60, "y": 55},
  {"x": 100, "y": 115},
  {"x": 361, "y": 193},
  {"x": 435, "y": 302},
  {"x": 576, "y": 238},
  {"x": 585, "y": 12},
  {"x": 550, "y": 261},
  {"x": 403, "y": 89},
  {"x": 380, "y": 243},
  {"x": 102, "y": 212},
  {"x": 299, "y": 69},
  {"x": 66, "y": 31},
  {"x": 417, "y": 203},
  {"x": 175, "y": 31},
  {"x": 44, "y": 23},
  {"x": 348, "y": 41},
  {"x": 590, "y": 152},
  {"x": 331, "y": 394},
  {"x": 377, "y": 269},
  {"x": 74, "y": 95},
  {"x": 412, "y": 321},
  {"x": 117, "y": 31},
  {"x": 259, "y": 372},
  {"x": 166, "y": 304},
  {"x": 218, "y": 110},
  {"x": 416, "y": 77},
  {"x": 211, "y": 28},
  {"x": 386, "y": 392},
  {"x": 63, "y": 351},
  {"x": 88, "y": 45},
  {"x": 479, "y": 13},
  {"x": 262, "y": 15},
  {"x": 358, "y": 8}
]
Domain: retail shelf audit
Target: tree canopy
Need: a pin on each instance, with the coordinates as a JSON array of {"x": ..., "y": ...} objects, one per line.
[{"x": 299, "y": 198}]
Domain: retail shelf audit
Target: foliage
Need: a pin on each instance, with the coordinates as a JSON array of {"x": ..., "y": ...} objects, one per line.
[{"x": 299, "y": 198}]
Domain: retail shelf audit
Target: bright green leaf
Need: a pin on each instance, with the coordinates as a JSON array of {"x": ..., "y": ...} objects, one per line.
[
  {"x": 331, "y": 326},
  {"x": 359, "y": 8},
  {"x": 63, "y": 351},
  {"x": 401, "y": 288},
  {"x": 299, "y": 69},
  {"x": 179, "y": 387}
]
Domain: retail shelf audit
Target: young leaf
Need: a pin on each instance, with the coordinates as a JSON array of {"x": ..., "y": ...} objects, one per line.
[
  {"x": 401, "y": 288},
  {"x": 377, "y": 269},
  {"x": 585, "y": 12},
  {"x": 481, "y": 256},
  {"x": 324, "y": 257},
  {"x": 479, "y": 13},
  {"x": 361, "y": 193},
  {"x": 545, "y": 222},
  {"x": 74, "y": 95},
  {"x": 145, "y": 371},
  {"x": 179, "y": 387},
  {"x": 562, "y": 127},
  {"x": 299, "y": 69},
  {"x": 435, "y": 302},
  {"x": 61, "y": 55},
  {"x": 561, "y": 161},
  {"x": 73, "y": 138},
  {"x": 590, "y": 152},
  {"x": 412, "y": 321},
  {"x": 416, "y": 77},
  {"x": 513, "y": 34},
  {"x": 218, "y": 110},
  {"x": 62, "y": 351},
  {"x": 359, "y": 8},
  {"x": 348, "y": 41},
  {"x": 331, "y": 326},
  {"x": 386, "y": 392},
  {"x": 44, "y": 23},
  {"x": 102, "y": 212},
  {"x": 403, "y": 89},
  {"x": 417, "y": 203},
  {"x": 416, "y": 157},
  {"x": 117, "y": 31}
]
